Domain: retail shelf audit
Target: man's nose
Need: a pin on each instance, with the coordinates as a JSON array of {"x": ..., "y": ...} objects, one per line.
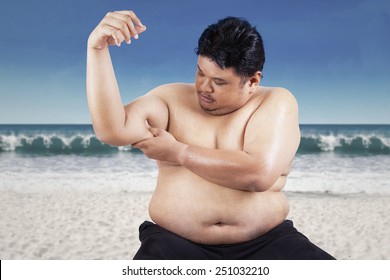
[{"x": 206, "y": 86}]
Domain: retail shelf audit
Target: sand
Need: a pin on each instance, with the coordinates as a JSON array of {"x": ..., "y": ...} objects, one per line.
[{"x": 83, "y": 225}]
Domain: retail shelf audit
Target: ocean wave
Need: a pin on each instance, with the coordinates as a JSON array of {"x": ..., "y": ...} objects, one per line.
[
  {"x": 359, "y": 144},
  {"x": 86, "y": 143},
  {"x": 44, "y": 144}
]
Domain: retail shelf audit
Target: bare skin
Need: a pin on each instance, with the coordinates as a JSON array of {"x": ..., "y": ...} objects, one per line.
[{"x": 224, "y": 145}]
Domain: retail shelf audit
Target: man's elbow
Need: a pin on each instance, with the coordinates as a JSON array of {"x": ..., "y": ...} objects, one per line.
[
  {"x": 122, "y": 138},
  {"x": 109, "y": 135},
  {"x": 259, "y": 185},
  {"x": 109, "y": 138},
  {"x": 260, "y": 181}
]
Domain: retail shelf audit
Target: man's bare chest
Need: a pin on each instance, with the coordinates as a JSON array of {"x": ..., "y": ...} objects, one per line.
[{"x": 216, "y": 132}]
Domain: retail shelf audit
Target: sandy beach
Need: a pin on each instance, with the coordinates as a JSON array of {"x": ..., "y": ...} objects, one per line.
[{"x": 85, "y": 225}]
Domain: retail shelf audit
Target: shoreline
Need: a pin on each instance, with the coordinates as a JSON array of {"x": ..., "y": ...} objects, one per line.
[{"x": 90, "y": 225}]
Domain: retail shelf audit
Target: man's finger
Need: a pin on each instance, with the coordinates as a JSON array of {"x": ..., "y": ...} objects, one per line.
[
  {"x": 133, "y": 17},
  {"x": 133, "y": 22},
  {"x": 140, "y": 29},
  {"x": 155, "y": 131},
  {"x": 138, "y": 145},
  {"x": 130, "y": 25},
  {"x": 114, "y": 20},
  {"x": 111, "y": 32}
]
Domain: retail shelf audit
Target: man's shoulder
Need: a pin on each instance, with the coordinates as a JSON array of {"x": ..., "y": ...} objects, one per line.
[
  {"x": 277, "y": 93},
  {"x": 278, "y": 96},
  {"x": 275, "y": 102}
]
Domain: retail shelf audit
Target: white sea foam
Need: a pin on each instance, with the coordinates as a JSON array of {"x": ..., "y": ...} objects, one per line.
[
  {"x": 119, "y": 172},
  {"x": 9, "y": 142},
  {"x": 340, "y": 174},
  {"x": 43, "y": 142}
]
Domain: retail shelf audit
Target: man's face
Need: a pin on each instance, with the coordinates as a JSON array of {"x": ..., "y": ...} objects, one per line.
[{"x": 220, "y": 91}]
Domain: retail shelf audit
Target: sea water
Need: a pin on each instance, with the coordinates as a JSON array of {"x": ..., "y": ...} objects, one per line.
[{"x": 331, "y": 158}]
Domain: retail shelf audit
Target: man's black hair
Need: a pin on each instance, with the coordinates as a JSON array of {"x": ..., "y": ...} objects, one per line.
[{"x": 233, "y": 42}]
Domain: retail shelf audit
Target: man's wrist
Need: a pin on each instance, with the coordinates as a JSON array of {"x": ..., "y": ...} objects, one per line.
[
  {"x": 92, "y": 45},
  {"x": 181, "y": 153}
]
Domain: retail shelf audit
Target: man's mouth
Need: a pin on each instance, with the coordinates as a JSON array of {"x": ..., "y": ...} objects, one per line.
[{"x": 205, "y": 98}]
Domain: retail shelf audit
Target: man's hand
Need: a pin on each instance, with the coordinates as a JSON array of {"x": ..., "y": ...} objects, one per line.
[
  {"x": 115, "y": 28},
  {"x": 163, "y": 146}
]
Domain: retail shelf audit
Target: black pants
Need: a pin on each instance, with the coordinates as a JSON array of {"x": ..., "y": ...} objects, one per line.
[{"x": 283, "y": 242}]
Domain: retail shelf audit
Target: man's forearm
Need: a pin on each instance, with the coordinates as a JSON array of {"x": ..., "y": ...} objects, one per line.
[
  {"x": 232, "y": 169},
  {"x": 227, "y": 168}
]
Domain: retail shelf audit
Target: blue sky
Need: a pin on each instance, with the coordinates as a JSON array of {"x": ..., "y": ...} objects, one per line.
[{"x": 334, "y": 56}]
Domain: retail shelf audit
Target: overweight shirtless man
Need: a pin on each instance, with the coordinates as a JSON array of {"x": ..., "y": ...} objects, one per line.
[{"x": 224, "y": 146}]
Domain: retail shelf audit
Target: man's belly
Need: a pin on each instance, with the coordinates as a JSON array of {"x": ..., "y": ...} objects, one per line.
[{"x": 203, "y": 212}]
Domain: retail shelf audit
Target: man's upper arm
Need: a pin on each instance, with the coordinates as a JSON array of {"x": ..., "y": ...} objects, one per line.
[
  {"x": 272, "y": 136},
  {"x": 143, "y": 112}
]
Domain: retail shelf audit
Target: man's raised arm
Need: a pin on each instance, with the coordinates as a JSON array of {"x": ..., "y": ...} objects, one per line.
[{"x": 113, "y": 123}]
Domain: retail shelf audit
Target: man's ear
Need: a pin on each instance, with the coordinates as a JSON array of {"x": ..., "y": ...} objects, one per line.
[{"x": 254, "y": 81}]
